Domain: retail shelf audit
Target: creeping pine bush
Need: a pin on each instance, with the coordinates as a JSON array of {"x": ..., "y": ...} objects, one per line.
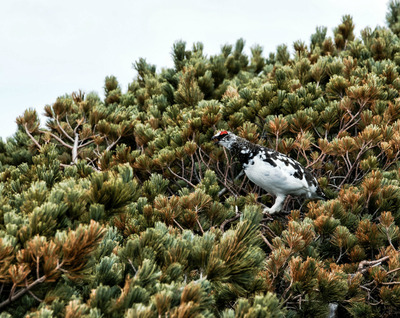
[{"x": 123, "y": 207}]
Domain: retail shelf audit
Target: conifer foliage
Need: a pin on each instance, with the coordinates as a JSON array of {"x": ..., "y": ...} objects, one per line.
[{"x": 123, "y": 207}]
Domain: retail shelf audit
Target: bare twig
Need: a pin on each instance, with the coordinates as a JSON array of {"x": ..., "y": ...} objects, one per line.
[
  {"x": 130, "y": 262},
  {"x": 14, "y": 296},
  {"x": 58, "y": 139},
  {"x": 179, "y": 177},
  {"x": 393, "y": 270},
  {"x": 364, "y": 148},
  {"x": 199, "y": 224},
  {"x": 113, "y": 143},
  {"x": 365, "y": 265},
  {"x": 176, "y": 222},
  {"x": 267, "y": 228},
  {"x": 86, "y": 144},
  {"x": 63, "y": 131},
  {"x": 390, "y": 283},
  {"x": 236, "y": 178},
  {"x": 341, "y": 253},
  {"x": 237, "y": 215},
  {"x": 30, "y": 136},
  {"x": 21, "y": 292},
  {"x": 34, "y": 296},
  {"x": 267, "y": 242}
]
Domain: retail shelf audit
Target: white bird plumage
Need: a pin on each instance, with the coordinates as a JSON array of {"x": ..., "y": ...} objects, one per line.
[{"x": 271, "y": 170}]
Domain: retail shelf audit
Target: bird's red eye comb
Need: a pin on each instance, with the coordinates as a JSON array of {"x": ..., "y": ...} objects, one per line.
[{"x": 222, "y": 133}]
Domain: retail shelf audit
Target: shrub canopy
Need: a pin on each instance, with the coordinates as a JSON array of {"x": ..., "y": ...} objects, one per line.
[{"x": 123, "y": 206}]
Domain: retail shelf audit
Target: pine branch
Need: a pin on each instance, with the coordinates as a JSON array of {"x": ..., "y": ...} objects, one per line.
[
  {"x": 179, "y": 177},
  {"x": 393, "y": 270},
  {"x": 75, "y": 149},
  {"x": 219, "y": 172},
  {"x": 34, "y": 296},
  {"x": 85, "y": 144},
  {"x": 365, "y": 265},
  {"x": 176, "y": 222},
  {"x": 267, "y": 242},
  {"x": 22, "y": 291},
  {"x": 130, "y": 262},
  {"x": 14, "y": 296},
  {"x": 66, "y": 119},
  {"x": 230, "y": 220},
  {"x": 236, "y": 178},
  {"x": 390, "y": 283},
  {"x": 113, "y": 143},
  {"x": 80, "y": 122},
  {"x": 30, "y": 136},
  {"x": 353, "y": 165},
  {"x": 63, "y": 131},
  {"x": 199, "y": 224},
  {"x": 58, "y": 139}
]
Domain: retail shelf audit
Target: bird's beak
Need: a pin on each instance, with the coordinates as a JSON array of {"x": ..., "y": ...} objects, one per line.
[{"x": 215, "y": 139}]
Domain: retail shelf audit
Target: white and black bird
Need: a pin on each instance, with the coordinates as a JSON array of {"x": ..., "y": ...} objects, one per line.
[{"x": 271, "y": 170}]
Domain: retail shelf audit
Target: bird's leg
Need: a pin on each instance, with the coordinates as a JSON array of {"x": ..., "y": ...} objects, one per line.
[{"x": 277, "y": 205}]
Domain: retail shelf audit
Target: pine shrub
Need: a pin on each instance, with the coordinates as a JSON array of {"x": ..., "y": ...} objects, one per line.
[{"x": 123, "y": 207}]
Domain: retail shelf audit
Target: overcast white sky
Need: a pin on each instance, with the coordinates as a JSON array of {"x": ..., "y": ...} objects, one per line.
[{"x": 50, "y": 47}]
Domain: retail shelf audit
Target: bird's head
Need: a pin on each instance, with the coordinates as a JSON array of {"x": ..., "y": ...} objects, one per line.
[{"x": 224, "y": 138}]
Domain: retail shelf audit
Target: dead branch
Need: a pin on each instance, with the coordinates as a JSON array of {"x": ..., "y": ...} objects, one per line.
[{"x": 366, "y": 265}]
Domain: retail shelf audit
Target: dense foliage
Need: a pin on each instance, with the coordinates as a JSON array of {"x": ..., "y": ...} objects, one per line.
[{"x": 124, "y": 206}]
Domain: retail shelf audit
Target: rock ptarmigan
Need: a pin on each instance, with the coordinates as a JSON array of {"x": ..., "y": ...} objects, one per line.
[{"x": 271, "y": 170}]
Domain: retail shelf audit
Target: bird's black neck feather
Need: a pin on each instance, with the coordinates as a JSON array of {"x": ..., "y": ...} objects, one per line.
[{"x": 244, "y": 150}]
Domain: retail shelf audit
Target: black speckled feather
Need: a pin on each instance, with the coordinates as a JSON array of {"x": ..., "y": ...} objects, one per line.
[{"x": 271, "y": 170}]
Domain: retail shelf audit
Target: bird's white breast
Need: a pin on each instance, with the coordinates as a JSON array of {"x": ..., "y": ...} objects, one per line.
[{"x": 277, "y": 179}]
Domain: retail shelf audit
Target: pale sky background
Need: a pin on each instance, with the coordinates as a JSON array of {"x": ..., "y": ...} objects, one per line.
[{"x": 49, "y": 47}]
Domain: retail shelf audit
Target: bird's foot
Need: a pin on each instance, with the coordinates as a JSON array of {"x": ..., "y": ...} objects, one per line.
[
  {"x": 278, "y": 205},
  {"x": 268, "y": 210}
]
